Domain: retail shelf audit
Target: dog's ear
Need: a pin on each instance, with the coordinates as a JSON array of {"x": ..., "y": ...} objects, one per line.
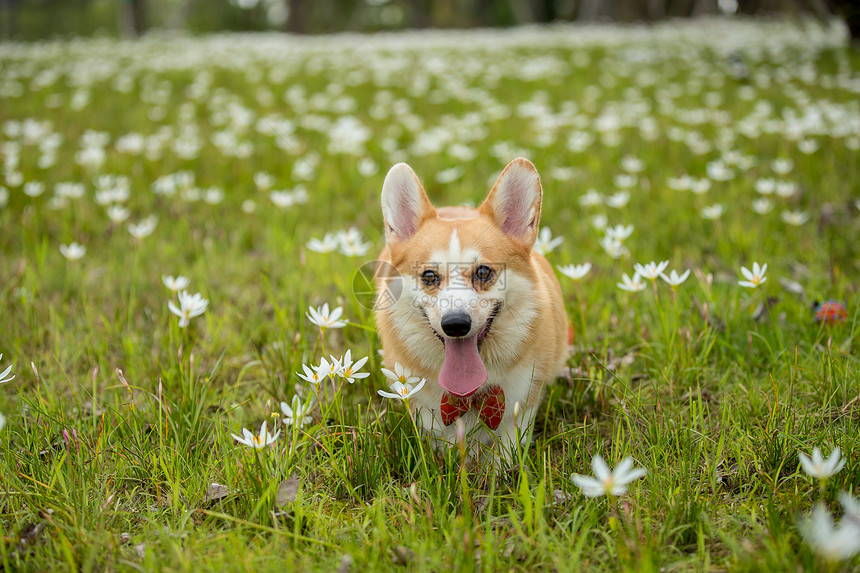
[
  {"x": 515, "y": 200},
  {"x": 404, "y": 203}
]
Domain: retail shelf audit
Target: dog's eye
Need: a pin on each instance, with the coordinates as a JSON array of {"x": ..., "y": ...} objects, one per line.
[
  {"x": 429, "y": 277},
  {"x": 483, "y": 273}
]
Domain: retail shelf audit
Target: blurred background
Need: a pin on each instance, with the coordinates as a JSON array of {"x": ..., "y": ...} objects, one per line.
[{"x": 28, "y": 20}]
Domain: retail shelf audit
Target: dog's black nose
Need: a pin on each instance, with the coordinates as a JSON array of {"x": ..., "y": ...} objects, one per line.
[{"x": 456, "y": 324}]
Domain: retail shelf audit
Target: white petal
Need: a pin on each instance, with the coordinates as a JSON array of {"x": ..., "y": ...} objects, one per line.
[
  {"x": 586, "y": 482},
  {"x": 389, "y": 395},
  {"x": 806, "y": 463},
  {"x": 817, "y": 458},
  {"x": 420, "y": 385},
  {"x": 633, "y": 475},
  {"x": 601, "y": 470}
]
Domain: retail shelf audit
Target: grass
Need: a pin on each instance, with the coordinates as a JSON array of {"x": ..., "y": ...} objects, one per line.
[{"x": 102, "y": 474}]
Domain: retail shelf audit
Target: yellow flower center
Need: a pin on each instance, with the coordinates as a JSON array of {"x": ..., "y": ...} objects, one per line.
[
  {"x": 404, "y": 391},
  {"x": 257, "y": 440}
]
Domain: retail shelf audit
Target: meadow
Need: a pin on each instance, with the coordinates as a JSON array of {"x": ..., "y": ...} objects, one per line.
[{"x": 251, "y": 166}]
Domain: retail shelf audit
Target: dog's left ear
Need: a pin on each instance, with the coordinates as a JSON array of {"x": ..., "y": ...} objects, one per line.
[
  {"x": 404, "y": 204},
  {"x": 515, "y": 200}
]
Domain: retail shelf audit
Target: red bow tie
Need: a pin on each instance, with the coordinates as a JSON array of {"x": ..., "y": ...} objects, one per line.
[{"x": 490, "y": 405}]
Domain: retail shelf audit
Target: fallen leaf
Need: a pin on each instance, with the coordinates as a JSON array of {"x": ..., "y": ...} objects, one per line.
[
  {"x": 287, "y": 491},
  {"x": 345, "y": 564},
  {"x": 559, "y": 497},
  {"x": 216, "y": 492},
  {"x": 401, "y": 555},
  {"x": 793, "y": 287}
]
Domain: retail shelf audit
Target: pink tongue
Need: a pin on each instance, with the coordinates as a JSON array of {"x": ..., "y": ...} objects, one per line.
[{"x": 463, "y": 372}]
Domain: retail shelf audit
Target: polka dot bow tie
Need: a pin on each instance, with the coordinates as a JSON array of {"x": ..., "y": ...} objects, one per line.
[{"x": 489, "y": 405}]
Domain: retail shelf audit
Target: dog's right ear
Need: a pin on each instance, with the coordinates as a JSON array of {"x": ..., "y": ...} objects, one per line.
[{"x": 404, "y": 203}]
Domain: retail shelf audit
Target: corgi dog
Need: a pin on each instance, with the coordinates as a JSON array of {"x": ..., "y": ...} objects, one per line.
[{"x": 469, "y": 305}]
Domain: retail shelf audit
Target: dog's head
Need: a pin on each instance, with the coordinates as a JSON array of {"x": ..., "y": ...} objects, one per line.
[{"x": 464, "y": 275}]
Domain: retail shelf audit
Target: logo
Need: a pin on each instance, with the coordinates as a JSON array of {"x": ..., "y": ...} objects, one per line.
[{"x": 364, "y": 285}]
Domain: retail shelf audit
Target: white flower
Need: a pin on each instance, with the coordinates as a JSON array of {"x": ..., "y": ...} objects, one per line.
[
  {"x": 5, "y": 373},
  {"x": 402, "y": 374},
  {"x": 782, "y": 166},
  {"x": 851, "y": 505},
  {"x": 144, "y": 228},
  {"x": 324, "y": 318},
  {"x": 367, "y": 167},
  {"x": 175, "y": 284},
  {"x": 575, "y": 272},
  {"x": 298, "y": 412},
  {"x": 765, "y": 186},
  {"x": 328, "y": 244},
  {"x": 599, "y": 221},
  {"x": 681, "y": 183},
  {"x": 613, "y": 247},
  {"x": 795, "y": 218},
  {"x": 402, "y": 391},
  {"x": 786, "y": 189},
  {"x": 762, "y": 206},
  {"x": 355, "y": 249},
  {"x": 651, "y": 270},
  {"x": 2, "y": 421},
  {"x": 351, "y": 235},
  {"x": 263, "y": 180},
  {"x": 608, "y": 482},
  {"x": 673, "y": 279},
  {"x": 632, "y": 164},
  {"x": 545, "y": 243},
  {"x": 117, "y": 213},
  {"x": 713, "y": 212},
  {"x": 807, "y": 146},
  {"x": 73, "y": 251},
  {"x": 820, "y": 468},
  {"x": 833, "y": 542},
  {"x": 590, "y": 198},
  {"x": 719, "y": 171},
  {"x": 700, "y": 186},
  {"x": 349, "y": 371},
  {"x": 631, "y": 285},
  {"x": 282, "y": 199},
  {"x": 330, "y": 369},
  {"x": 754, "y": 277},
  {"x": 625, "y": 181},
  {"x": 618, "y": 200},
  {"x": 257, "y": 442},
  {"x": 315, "y": 374},
  {"x": 619, "y": 232},
  {"x": 189, "y": 307},
  {"x": 449, "y": 175},
  {"x": 34, "y": 188},
  {"x": 351, "y": 244}
]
